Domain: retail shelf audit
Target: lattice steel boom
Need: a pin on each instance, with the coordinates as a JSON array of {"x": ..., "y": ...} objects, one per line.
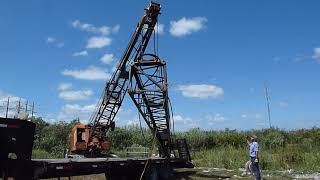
[
  {"x": 144, "y": 77},
  {"x": 103, "y": 118}
]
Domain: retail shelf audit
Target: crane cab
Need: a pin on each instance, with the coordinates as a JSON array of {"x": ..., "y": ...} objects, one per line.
[
  {"x": 80, "y": 142},
  {"x": 79, "y": 137}
]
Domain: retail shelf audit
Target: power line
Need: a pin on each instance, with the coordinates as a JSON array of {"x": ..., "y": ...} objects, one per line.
[{"x": 15, "y": 108}]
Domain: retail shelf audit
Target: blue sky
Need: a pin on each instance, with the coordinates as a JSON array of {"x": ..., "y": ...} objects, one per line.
[{"x": 220, "y": 54}]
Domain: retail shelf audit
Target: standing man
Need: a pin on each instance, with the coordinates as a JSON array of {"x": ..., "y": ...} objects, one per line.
[{"x": 254, "y": 156}]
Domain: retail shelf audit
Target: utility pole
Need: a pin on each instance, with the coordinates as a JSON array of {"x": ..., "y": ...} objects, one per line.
[
  {"x": 268, "y": 104},
  {"x": 32, "y": 109},
  {"x": 27, "y": 107},
  {"x": 19, "y": 107},
  {"x": 7, "y": 108}
]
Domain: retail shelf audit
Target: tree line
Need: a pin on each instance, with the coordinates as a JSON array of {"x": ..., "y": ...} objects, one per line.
[{"x": 54, "y": 137}]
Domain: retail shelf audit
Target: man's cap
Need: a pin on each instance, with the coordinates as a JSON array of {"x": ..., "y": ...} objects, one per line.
[{"x": 254, "y": 137}]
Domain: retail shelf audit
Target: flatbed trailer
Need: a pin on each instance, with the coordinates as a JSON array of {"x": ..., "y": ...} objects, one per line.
[
  {"x": 16, "y": 142},
  {"x": 113, "y": 168},
  {"x": 16, "y": 137}
]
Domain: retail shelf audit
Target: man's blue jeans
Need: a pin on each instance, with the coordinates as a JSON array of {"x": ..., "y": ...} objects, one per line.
[{"x": 255, "y": 168}]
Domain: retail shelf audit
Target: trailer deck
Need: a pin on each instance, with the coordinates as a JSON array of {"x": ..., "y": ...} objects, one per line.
[
  {"x": 16, "y": 137},
  {"x": 113, "y": 168}
]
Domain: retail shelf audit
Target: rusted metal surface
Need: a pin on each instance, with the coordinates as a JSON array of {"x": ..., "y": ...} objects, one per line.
[
  {"x": 102, "y": 119},
  {"x": 79, "y": 141},
  {"x": 144, "y": 77}
]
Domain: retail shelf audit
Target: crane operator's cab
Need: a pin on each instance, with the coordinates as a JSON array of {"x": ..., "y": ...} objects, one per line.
[{"x": 79, "y": 141}]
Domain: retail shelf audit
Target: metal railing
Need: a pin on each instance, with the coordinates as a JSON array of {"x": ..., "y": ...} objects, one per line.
[{"x": 141, "y": 152}]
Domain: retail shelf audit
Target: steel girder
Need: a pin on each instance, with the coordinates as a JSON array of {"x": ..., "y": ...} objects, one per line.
[{"x": 148, "y": 88}]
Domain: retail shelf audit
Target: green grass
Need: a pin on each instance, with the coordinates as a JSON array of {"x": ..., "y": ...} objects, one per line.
[
  {"x": 42, "y": 154},
  {"x": 270, "y": 159},
  {"x": 280, "y": 149},
  {"x": 228, "y": 157}
]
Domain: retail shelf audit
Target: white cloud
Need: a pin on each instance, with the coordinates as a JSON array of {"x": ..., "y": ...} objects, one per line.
[
  {"x": 131, "y": 122},
  {"x": 251, "y": 116},
  {"x": 186, "y": 26},
  {"x": 91, "y": 73},
  {"x": 201, "y": 91},
  {"x": 159, "y": 28},
  {"x": 184, "y": 123},
  {"x": 4, "y": 97},
  {"x": 76, "y": 95},
  {"x": 299, "y": 58},
  {"x": 255, "y": 119},
  {"x": 67, "y": 94},
  {"x": 316, "y": 54},
  {"x": 216, "y": 118},
  {"x": 64, "y": 86},
  {"x": 51, "y": 40},
  {"x": 103, "y": 30},
  {"x": 244, "y": 116},
  {"x": 180, "y": 119},
  {"x": 115, "y": 28},
  {"x": 81, "y": 53},
  {"x": 107, "y": 58},
  {"x": 127, "y": 117},
  {"x": 13, "y": 105},
  {"x": 283, "y": 104},
  {"x": 98, "y": 42},
  {"x": 71, "y": 111}
]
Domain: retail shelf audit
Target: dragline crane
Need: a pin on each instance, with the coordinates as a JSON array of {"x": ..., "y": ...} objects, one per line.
[{"x": 143, "y": 76}]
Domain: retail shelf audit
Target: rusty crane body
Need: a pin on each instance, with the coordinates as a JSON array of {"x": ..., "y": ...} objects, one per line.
[{"x": 142, "y": 76}]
